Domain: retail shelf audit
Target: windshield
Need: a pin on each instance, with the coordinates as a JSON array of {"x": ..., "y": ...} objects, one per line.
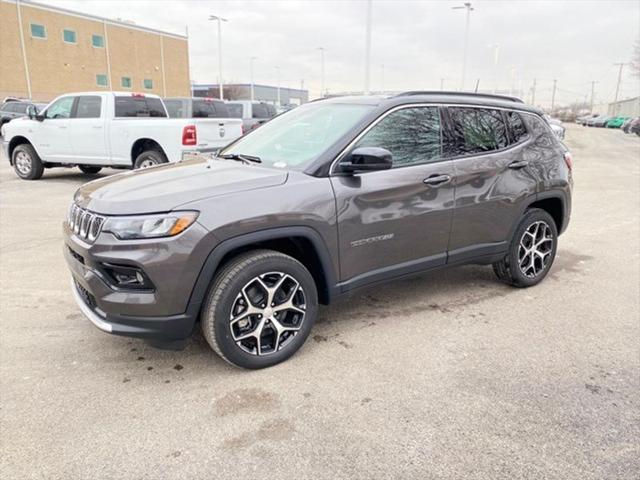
[{"x": 298, "y": 137}]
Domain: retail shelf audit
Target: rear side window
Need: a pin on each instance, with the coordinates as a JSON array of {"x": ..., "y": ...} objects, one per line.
[
  {"x": 89, "y": 106},
  {"x": 475, "y": 130},
  {"x": 174, "y": 107},
  {"x": 209, "y": 109},
  {"x": 20, "y": 107},
  {"x": 412, "y": 135},
  {"x": 261, "y": 110},
  {"x": 516, "y": 125},
  {"x": 139, "y": 107}
]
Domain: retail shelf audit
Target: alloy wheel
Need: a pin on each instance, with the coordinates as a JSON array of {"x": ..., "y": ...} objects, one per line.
[
  {"x": 23, "y": 162},
  {"x": 534, "y": 251},
  {"x": 267, "y": 313}
]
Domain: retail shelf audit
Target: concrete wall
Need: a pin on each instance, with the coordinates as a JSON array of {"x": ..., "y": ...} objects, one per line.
[
  {"x": 626, "y": 108},
  {"x": 262, "y": 93},
  {"x": 56, "y": 67}
]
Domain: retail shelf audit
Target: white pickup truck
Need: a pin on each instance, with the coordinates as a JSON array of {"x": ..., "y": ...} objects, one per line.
[{"x": 92, "y": 130}]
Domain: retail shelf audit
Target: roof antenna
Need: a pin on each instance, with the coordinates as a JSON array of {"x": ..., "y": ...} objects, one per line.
[{"x": 477, "y": 85}]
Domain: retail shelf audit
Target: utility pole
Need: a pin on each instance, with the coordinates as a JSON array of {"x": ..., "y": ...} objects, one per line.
[
  {"x": 496, "y": 53},
  {"x": 251, "y": 59},
  {"x": 367, "y": 54},
  {"x": 277, "y": 67},
  {"x": 553, "y": 93},
  {"x": 533, "y": 93},
  {"x": 621, "y": 64},
  {"x": 382, "y": 78},
  {"x": 593, "y": 89},
  {"x": 220, "y": 20},
  {"x": 321, "y": 71},
  {"x": 469, "y": 8}
]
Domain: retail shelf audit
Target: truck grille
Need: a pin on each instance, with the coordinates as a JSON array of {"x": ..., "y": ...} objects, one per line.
[{"x": 84, "y": 223}]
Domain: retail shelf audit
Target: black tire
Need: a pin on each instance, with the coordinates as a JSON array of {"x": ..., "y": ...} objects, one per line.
[
  {"x": 150, "y": 158},
  {"x": 26, "y": 162},
  {"x": 508, "y": 269},
  {"x": 89, "y": 170},
  {"x": 224, "y": 296}
]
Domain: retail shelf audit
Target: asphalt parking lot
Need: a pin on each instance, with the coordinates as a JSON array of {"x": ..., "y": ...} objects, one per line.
[{"x": 451, "y": 375}]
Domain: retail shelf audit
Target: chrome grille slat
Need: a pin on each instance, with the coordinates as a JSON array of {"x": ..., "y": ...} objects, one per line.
[{"x": 85, "y": 224}]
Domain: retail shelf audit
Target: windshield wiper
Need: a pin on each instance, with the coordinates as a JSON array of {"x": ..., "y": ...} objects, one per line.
[{"x": 241, "y": 157}]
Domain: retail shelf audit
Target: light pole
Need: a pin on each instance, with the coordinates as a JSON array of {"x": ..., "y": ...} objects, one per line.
[
  {"x": 382, "y": 78},
  {"x": 496, "y": 53},
  {"x": 251, "y": 59},
  {"x": 469, "y": 8},
  {"x": 220, "y": 20},
  {"x": 321, "y": 71},
  {"x": 367, "y": 54},
  {"x": 619, "y": 80},
  {"x": 277, "y": 67}
]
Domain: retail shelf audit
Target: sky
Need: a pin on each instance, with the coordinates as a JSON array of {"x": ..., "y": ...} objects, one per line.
[{"x": 416, "y": 45}]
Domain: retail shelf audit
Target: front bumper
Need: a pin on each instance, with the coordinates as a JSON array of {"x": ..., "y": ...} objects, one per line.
[
  {"x": 5, "y": 149},
  {"x": 164, "y": 313}
]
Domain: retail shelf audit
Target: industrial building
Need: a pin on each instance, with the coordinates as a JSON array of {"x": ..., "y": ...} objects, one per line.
[
  {"x": 46, "y": 51},
  {"x": 262, "y": 93}
]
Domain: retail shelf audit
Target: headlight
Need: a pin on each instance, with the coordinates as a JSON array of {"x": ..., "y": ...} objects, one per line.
[{"x": 149, "y": 226}]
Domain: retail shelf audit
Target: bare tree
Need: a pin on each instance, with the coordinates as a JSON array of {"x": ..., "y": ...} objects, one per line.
[{"x": 635, "y": 59}]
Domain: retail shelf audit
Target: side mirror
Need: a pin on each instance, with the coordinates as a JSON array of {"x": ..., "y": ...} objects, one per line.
[
  {"x": 31, "y": 112},
  {"x": 366, "y": 159}
]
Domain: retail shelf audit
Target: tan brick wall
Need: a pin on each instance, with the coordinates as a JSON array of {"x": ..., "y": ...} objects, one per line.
[{"x": 56, "y": 67}]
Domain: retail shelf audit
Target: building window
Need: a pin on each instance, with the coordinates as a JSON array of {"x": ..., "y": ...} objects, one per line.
[
  {"x": 101, "y": 80},
  {"x": 69, "y": 36},
  {"x": 38, "y": 31},
  {"x": 126, "y": 82},
  {"x": 97, "y": 41},
  {"x": 147, "y": 83}
]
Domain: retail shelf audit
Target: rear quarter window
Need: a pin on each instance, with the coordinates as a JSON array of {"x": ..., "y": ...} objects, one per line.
[
  {"x": 517, "y": 128},
  {"x": 139, "y": 107}
]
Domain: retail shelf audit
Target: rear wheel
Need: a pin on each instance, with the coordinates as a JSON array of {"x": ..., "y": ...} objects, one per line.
[
  {"x": 531, "y": 252},
  {"x": 26, "y": 162},
  {"x": 89, "y": 170},
  {"x": 150, "y": 158},
  {"x": 260, "y": 309}
]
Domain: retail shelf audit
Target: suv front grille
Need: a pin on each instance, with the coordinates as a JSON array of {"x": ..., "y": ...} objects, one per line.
[{"x": 84, "y": 223}]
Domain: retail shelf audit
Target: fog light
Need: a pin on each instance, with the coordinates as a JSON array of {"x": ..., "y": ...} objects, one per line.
[{"x": 127, "y": 277}]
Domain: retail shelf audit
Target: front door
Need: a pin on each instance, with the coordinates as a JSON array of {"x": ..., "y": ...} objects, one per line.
[
  {"x": 396, "y": 221},
  {"x": 51, "y": 135}
]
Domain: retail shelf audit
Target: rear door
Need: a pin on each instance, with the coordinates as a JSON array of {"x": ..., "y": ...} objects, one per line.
[
  {"x": 396, "y": 221},
  {"x": 87, "y": 133},
  {"x": 492, "y": 178}
]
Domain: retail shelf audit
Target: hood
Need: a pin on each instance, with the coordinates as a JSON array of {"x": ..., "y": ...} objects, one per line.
[{"x": 164, "y": 188}]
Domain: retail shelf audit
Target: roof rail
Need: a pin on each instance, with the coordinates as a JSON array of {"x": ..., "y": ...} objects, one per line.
[{"x": 460, "y": 94}]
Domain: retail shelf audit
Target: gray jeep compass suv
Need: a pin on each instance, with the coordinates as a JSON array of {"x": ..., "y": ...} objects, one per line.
[{"x": 332, "y": 196}]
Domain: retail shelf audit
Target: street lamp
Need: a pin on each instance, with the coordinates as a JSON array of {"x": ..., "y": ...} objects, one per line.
[
  {"x": 277, "y": 67},
  {"x": 220, "y": 20},
  {"x": 251, "y": 59},
  {"x": 469, "y": 8},
  {"x": 367, "y": 53},
  {"x": 321, "y": 71},
  {"x": 496, "y": 53}
]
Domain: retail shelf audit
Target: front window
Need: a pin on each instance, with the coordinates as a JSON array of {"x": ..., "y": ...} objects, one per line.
[
  {"x": 298, "y": 137},
  {"x": 60, "y": 108}
]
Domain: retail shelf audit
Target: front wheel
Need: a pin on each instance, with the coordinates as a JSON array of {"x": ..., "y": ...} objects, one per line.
[
  {"x": 27, "y": 163},
  {"x": 260, "y": 309},
  {"x": 531, "y": 252},
  {"x": 89, "y": 170}
]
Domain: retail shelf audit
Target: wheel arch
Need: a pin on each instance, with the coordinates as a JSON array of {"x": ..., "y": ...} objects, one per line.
[
  {"x": 143, "y": 145},
  {"x": 302, "y": 243},
  {"x": 555, "y": 204},
  {"x": 19, "y": 140}
]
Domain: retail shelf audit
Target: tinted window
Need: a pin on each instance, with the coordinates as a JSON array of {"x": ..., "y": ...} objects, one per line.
[
  {"x": 475, "y": 130},
  {"x": 9, "y": 107},
  {"x": 412, "y": 135},
  {"x": 174, "y": 107},
  {"x": 20, "y": 107},
  {"x": 209, "y": 109},
  {"x": 139, "y": 107},
  {"x": 518, "y": 130},
  {"x": 235, "y": 110},
  {"x": 89, "y": 107},
  {"x": 261, "y": 110},
  {"x": 60, "y": 108}
]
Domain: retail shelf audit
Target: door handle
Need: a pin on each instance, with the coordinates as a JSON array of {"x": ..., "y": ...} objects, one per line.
[
  {"x": 436, "y": 179},
  {"x": 516, "y": 165}
]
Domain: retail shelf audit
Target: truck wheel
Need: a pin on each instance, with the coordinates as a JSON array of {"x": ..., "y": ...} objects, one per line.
[
  {"x": 89, "y": 170},
  {"x": 150, "y": 158},
  {"x": 27, "y": 163},
  {"x": 260, "y": 309},
  {"x": 532, "y": 250}
]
